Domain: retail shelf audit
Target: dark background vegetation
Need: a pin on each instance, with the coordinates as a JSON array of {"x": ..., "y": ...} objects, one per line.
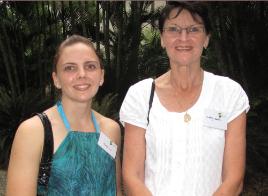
[{"x": 126, "y": 35}]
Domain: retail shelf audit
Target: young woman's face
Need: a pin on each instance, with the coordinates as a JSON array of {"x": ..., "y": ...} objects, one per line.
[
  {"x": 184, "y": 39},
  {"x": 78, "y": 73}
]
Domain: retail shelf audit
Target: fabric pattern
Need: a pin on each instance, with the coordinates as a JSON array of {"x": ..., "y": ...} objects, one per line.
[{"x": 81, "y": 167}]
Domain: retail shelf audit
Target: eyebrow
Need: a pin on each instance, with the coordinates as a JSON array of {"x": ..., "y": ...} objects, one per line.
[
  {"x": 91, "y": 62},
  {"x": 186, "y": 26},
  {"x": 69, "y": 63},
  {"x": 72, "y": 63}
]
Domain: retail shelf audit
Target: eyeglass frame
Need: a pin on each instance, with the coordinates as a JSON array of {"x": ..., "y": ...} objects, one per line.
[{"x": 179, "y": 29}]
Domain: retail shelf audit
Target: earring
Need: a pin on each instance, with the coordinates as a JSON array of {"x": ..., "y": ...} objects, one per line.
[{"x": 57, "y": 86}]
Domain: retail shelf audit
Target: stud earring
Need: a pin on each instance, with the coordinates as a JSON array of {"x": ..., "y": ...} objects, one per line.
[{"x": 57, "y": 86}]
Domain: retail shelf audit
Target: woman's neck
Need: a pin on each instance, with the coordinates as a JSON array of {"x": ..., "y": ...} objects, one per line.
[
  {"x": 75, "y": 111},
  {"x": 185, "y": 78}
]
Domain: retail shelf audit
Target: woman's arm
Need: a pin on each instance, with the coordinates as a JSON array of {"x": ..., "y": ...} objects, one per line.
[
  {"x": 24, "y": 160},
  {"x": 133, "y": 161},
  {"x": 118, "y": 165},
  {"x": 234, "y": 158},
  {"x": 112, "y": 129}
]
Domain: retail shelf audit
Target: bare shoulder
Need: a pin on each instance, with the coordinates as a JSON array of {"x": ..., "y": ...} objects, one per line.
[
  {"x": 25, "y": 157},
  {"x": 163, "y": 80},
  {"x": 29, "y": 138},
  {"x": 31, "y": 128},
  {"x": 110, "y": 127}
]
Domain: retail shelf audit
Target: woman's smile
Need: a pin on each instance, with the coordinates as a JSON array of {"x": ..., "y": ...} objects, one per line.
[
  {"x": 82, "y": 87},
  {"x": 183, "y": 48}
]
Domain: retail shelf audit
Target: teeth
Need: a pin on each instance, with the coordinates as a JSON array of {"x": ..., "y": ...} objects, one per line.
[
  {"x": 81, "y": 87},
  {"x": 183, "y": 48}
]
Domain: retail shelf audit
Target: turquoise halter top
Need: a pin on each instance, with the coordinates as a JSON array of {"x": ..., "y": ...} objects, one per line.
[{"x": 80, "y": 167}]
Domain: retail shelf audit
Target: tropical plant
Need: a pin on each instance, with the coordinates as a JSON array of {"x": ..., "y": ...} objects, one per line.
[
  {"x": 12, "y": 112},
  {"x": 106, "y": 105}
]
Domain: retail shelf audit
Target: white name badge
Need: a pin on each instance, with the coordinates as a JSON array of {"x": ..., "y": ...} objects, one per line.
[
  {"x": 106, "y": 144},
  {"x": 215, "y": 119}
]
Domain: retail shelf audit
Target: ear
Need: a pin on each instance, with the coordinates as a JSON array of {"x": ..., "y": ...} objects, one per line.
[
  {"x": 56, "y": 80},
  {"x": 206, "y": 41},
  {"x": 102, "y": 77},
  {"x": 162, "y": 41}
]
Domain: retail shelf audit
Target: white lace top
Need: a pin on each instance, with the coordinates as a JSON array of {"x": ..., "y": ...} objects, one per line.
[{"x": 185, "y": 159}]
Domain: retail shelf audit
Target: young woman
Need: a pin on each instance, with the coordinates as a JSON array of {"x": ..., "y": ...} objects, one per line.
[{"x": 86, "y": 144}]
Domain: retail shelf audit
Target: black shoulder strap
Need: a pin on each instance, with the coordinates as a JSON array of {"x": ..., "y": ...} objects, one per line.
[
  {"x": 47, "y": 153},
  {"x": 151, "y": 101}
]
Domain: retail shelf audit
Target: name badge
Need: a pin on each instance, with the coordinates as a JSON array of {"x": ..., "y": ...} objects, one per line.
[
  {"x": 107, "y": 145},
  {"x": 215, "y": 119}
]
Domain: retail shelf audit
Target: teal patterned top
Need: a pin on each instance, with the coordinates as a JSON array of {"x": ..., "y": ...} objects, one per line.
[{"x": 80, "y": 166}]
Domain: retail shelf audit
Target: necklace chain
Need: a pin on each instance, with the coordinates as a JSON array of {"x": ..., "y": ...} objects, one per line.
[{"x": 187, "y": 117}]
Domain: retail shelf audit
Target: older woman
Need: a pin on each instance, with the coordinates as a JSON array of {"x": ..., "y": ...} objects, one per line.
[{"x": 185, "y": 130}]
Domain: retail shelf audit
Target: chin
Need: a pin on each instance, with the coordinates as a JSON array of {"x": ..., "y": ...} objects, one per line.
[
  {"x": 182, "y": 63},
  {"x": 83, "y": 99}
]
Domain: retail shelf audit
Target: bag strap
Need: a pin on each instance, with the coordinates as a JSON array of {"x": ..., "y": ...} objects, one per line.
[
  {"x": 47, "y": 153},
  {"x": 151, "y": 101}
]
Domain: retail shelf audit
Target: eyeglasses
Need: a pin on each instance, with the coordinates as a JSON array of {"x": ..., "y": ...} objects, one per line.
[{"x": 191, "y": 30}]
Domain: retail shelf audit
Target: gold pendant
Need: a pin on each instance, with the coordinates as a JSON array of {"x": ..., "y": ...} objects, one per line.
[{"x": 187, "y": 117}]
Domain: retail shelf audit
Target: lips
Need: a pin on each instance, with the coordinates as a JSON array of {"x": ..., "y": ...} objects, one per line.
[
  {"x": 183, "y": 48},
  {"x": 82, "y": 87}
]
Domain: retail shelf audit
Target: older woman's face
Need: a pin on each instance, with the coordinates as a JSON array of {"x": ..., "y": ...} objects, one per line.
[{"x": 184, "y": 39}]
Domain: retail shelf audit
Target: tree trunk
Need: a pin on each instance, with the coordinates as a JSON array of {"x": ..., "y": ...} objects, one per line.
[
  {"x": 106, "y": 32},
  {"x": 50, "y": 19},
  {"x": 228, "y": 62},
  {"x": 39, "y": 64},
  {"x": 63, "y": 19},
  {"x": 11, "y": 55},
  {"x": 83, "y": 21},
  {"x": 7, "y": 66},
  {"x": 239, "y": 48},
  {"x": 72, "y": 15},
  {"x": 120, "y": 56},
  {"x": 55, "y": 19},
  {"x": 98, "y": 26},
  {"x": 135, "y": 22}
]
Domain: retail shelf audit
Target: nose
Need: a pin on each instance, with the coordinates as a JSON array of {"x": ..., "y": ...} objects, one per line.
[
  {"x": 81, "y": 72},
  {"x": 183, "y": 35}
]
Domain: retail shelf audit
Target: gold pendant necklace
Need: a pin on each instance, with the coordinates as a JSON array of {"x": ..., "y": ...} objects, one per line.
[{"x": 187, "y": 117}]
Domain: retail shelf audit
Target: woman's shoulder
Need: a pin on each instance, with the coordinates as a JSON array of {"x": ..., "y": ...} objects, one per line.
[
  {"x": 29, "y": 136},
  {"x": 227, "y": 92},
  {"x": 109, "y": 127},
  {"x": 142, "y": 85},
  {"x": 223, "y": 82},
  {"x": 32, "y": 125},
  {"x": 139, "y": 91},
  {"x": 32, "y": 128}
]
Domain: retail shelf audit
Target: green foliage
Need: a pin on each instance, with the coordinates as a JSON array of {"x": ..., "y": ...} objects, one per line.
[
  {"x": 256, "y": 179},
  {"x": 153, "y": 60},
  {"x": 106, "y": 106},
  {"x": 12, "y": 112}
]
